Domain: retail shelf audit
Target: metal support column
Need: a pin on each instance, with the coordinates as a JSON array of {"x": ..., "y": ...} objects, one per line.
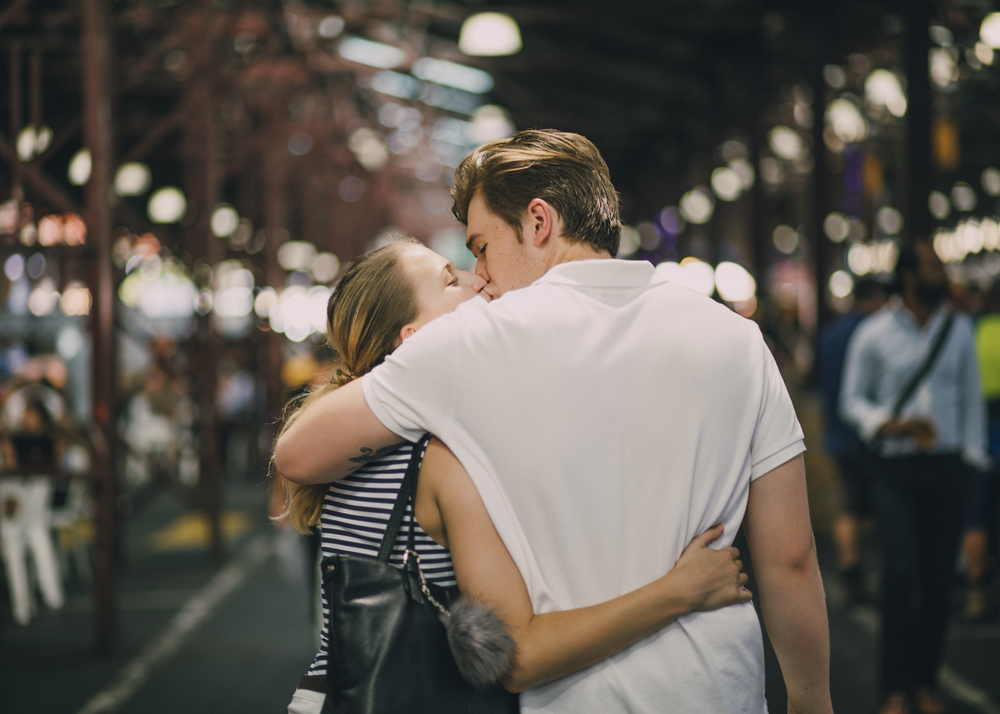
[
  {"x": 821, "y": 247},
  {"x": 275, "y": 188},
  {"x": 16, "y": 102},
  {"x": 98, "y": 138},
  {"x": 918, "y": 118},
  {"x": 202, "y": 187}
]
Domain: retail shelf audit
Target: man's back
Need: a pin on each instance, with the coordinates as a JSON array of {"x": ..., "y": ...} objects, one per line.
[{"x": 606, "y": 422}]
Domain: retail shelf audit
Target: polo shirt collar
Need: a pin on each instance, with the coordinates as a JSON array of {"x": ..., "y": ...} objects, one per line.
[{"x": 601, "y": 273}]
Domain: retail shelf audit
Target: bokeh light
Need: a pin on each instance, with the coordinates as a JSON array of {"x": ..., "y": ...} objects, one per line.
[
  {"x": 630, "y": 241},
  {"x": 786, "y": 143},
  {"x": 990, "y": 180},
  {"x": 296, "y": 255},
  {"x": 786, "y": 239},
  {"x": 734, "y": 283},
  {"x": 13, "y": 267},
  {"x": 726, "y": 184},
  {"x": 889, "y": 220},
  {"x": 691, "y": 273},
  {"x": 697, "y": 206},
  {"x": 43, "y": 298},
  {"x": 225, "y": 220},
  {"x": 325, "y": 267},
  {"x": 841, "y": 284},
  {"x": 300, "y": 143},
  {"x": 450, "y": 74},
  {"x": 76, "y": 299},
  {"x": 133, "y": 179},
  {"x": 351, "y": 189},
  {"x": 744, "y": 170},
  {"x": 963, "y": 196},
  {"x": 836, "y": 227},
  {"x": 845, "y": 119},
  {"x": 490, "y": 123},
  {"x": 330, "y": 26},
  {"x": 50, "y": 230},
  {"x": 489, "y": 34},
  {"x": 989, "y": 30},
  {"x": 79, "y": 168},
  {"x": 368, "y": 149},
  {"x": 883, "y": 88},
  {"x": 939, "y": 205},
  {"x": 167, "y": 205},
  {"x": 373, "y": 54}
]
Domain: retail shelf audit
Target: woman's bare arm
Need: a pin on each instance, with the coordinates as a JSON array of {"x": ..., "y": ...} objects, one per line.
[{"x": 555, "y": 644}]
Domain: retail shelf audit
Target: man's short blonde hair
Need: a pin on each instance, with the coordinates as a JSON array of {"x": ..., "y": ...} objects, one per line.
[{"x": 565, "y": 170}]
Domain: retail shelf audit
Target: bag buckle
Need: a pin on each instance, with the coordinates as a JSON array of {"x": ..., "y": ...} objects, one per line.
[{"x": 423, "y": 580}]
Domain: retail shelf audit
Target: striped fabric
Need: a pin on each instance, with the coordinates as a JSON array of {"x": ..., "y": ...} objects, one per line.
[{"x": 355, "y": 515}]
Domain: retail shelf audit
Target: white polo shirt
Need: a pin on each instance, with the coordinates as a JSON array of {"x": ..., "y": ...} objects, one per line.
[{"x": 607, "y": 418}]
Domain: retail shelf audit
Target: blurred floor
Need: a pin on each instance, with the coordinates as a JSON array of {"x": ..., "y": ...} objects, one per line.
[
  {"x": 194, "y": 636},
  {"x": 199, "y": 637}
]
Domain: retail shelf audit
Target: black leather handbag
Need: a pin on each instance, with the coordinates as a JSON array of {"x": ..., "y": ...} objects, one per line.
[{"x": 388, "y": 649}]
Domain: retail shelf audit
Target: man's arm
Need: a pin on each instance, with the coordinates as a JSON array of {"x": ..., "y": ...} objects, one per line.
[
  {"x": 860, "y": 373},
  {"x": 783, "y": 554},
  {"x": 333, "y": 436}
]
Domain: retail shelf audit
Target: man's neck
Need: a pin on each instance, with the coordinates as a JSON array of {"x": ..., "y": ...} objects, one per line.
[
  {"x": 920, "y": 310},
  {"x": 567, "y": 252}
]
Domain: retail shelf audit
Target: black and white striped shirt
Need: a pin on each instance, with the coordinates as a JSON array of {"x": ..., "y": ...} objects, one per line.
[{"x": 354, "y": 518}]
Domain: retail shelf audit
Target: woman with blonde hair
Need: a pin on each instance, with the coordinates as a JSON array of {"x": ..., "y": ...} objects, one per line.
[{"x": 381, "y": 300}]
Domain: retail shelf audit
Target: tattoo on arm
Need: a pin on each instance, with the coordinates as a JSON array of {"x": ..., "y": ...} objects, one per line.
[{"x": 367, "y": 455}]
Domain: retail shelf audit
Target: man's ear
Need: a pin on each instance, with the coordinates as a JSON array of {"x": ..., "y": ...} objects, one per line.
[{"x": 539, "y": 222}]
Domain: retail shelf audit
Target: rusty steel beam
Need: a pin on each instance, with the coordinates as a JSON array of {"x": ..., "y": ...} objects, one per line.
[
  {"x": 201, "y": 183},
  {"x": 275, "y": 172},
  {"x": 160, "y": 130},
  {"x": 16, "y": 100},
  {"x": 67, "y": 132},
  {"x": 45, "y": 186},
  {"x": 36, "y": 88},
  {"x": 98, "y": 137},
  {"x": 10, "y": 12},
  {"x": 822, "y": 21},
  {"x": 202, "y": 187}
]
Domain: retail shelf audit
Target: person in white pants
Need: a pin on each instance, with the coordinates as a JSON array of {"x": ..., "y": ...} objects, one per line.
[{"x": 25, "y": 502}]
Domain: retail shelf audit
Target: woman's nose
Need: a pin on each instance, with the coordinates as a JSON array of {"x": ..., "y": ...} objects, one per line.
[{"x": 474, "y": 281}]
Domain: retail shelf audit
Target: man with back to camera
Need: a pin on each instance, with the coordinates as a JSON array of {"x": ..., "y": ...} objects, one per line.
[
  {"x": 606, "y": 418},
  {"x": 926, "y": 446}
]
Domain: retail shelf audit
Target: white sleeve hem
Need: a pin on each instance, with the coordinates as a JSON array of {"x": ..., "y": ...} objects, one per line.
[
  {"x": 777, "y": 459},
  {"x": 383, "y": 414}
]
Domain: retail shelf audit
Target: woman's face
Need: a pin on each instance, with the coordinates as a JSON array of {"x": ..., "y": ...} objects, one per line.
[{"x": 438, "y": 286}]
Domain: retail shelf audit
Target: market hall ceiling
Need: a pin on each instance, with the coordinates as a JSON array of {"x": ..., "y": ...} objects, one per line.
[{"x": 654, "y": 83}]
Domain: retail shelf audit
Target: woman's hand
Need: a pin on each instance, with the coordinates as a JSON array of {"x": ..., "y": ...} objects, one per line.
[{"x": 711, "y": 578}]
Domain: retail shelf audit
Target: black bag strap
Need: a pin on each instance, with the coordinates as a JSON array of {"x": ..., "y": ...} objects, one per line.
[
  {"x": 926, "y": 367},
  {"x": 406, "y": 490}
]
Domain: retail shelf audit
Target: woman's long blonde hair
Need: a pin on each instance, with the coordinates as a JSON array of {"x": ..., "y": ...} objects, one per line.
[{"x": 367, "y": 310}]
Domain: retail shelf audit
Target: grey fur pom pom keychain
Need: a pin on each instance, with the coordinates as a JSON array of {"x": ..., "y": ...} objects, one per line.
[{"x": 480, "y": 643}]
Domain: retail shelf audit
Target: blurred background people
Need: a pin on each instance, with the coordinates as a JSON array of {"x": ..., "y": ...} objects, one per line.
[
  {"x": 32, "y": 449},
  {"x": 984, "y": 500},
  {"x": 927, "y": 448},
  {"x": 841, "y": 440}
]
